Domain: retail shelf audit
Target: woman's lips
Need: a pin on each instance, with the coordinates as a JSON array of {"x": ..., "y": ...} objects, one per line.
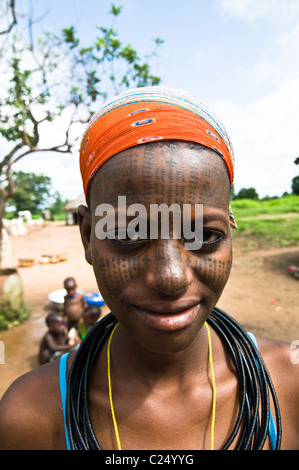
[{"x": 168, "y": 320}]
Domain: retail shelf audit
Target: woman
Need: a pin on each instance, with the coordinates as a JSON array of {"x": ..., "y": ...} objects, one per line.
[{"x": 168, "y": 370}]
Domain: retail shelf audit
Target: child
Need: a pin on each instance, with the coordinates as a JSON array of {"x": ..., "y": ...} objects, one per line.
[
  {"x": 168, "y": 370},
  {"x": 55, "y": 340},
  {"x": 90, "y": 316},
  {"x": 74, "y": 303}
]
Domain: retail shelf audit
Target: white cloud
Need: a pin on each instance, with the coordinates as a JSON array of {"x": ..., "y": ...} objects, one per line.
[
  {"x": 63, "y": 169},
  {"x": 281, "y": 12},
  {"x": 265, "y": 131},
  {"x": 265, "y": 135},
  {"x": 264, "y": 128},
  {"x": 279, "y": 59}
]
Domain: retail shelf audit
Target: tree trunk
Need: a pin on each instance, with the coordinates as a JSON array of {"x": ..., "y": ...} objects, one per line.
[{"x": 2, "y": 214}]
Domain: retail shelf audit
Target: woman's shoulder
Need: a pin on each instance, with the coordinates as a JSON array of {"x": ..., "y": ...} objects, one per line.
[
  {"x": 279, "y": 354},
  {"x": 31, "y": 411},
  {"x": 281, "y": 358},
  {"x": 282, "y": 361}
]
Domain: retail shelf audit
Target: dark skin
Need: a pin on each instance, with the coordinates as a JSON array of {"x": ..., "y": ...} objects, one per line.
[
  {"x": 161, "y": 294},
  {"x": 54, "y": 340},
  {"x": 74, "y": 304},
  {"x": 89, "y": 318}
]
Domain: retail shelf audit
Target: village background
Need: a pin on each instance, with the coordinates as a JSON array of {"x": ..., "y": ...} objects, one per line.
[{"x": 240, "y": 56}]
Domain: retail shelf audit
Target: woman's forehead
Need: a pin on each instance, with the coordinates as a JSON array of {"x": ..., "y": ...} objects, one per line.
[
  {"x": 171, "y": 172},
  {"x": 146, "y": 115}
]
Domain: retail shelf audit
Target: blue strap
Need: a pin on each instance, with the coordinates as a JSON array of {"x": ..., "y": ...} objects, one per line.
[
  {"x": 63, "y": 390},
  {"x": 272, "y": 427}
]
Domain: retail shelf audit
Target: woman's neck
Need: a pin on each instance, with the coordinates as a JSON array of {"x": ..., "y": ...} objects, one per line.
[{"x": 129, "y": 357}]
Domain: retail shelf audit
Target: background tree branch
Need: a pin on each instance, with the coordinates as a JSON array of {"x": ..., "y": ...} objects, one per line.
[
  {"x": 11, "y": 14},
  {"x": 54, "y": 86}
]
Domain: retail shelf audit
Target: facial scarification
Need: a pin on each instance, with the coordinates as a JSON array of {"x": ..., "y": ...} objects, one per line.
[{"x": 174, "y": 172}]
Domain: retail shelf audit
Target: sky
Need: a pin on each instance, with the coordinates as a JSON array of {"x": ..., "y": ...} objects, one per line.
[{"x": 239, "y": 56}]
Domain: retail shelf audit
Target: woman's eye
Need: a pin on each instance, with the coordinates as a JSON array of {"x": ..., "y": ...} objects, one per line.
[
  {"x": 211, "y": 237},
  {"x": 123, "y": 237}
]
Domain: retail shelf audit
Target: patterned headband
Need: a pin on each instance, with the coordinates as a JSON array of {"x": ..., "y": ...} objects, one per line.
[{"x": 151, "y": 114}]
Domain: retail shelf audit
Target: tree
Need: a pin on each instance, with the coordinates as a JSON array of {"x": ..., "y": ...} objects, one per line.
[
  {"x": 295, "y": 185},
  {"x": 57, "y": 207},
  {"x": 31, "y": 191},
  {"x": 247, "y": 193},
  {"x": 54, "y": 86}
]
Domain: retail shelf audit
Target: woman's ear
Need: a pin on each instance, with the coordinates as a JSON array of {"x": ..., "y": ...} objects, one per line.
[{"x": 84, "y": 219}]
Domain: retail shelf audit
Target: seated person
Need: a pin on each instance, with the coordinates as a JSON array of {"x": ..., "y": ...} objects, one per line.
[
  {"x": 55, "y": 341},
  {"x": 90, "y": 316}
]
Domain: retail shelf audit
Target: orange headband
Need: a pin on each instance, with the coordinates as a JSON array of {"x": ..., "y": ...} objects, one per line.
[{"x": 150, "y": 114}]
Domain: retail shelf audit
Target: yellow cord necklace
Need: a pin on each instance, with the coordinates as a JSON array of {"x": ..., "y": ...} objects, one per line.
[{"x": 213, "y": 386}]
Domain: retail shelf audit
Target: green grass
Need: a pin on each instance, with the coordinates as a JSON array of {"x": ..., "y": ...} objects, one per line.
[
  {"x": 274, "y": 232},
  {"x": 270, "y": 230},
  {"x": 59, "y": 217},
  {"x": 249, "y": 207}
]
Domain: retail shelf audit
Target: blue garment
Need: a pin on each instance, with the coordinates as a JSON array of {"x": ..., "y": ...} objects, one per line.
[
  {"x": 272, "y": 427},
  {"x": 63, "y": 391}
]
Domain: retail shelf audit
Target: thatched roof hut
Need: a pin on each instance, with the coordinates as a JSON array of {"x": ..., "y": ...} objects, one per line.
[{"x": 71, "y": 210}]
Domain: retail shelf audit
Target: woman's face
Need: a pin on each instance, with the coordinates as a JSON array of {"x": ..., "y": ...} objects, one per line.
[{"x": 160, "y": 291}]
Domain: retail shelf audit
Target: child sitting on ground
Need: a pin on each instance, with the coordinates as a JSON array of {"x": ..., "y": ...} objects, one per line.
[
  {"x": 55, "y": 341},
  {"x": 74, "y": 303}
]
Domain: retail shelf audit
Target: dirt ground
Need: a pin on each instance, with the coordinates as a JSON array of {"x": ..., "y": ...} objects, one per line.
[{"x": 260, "y": 292}]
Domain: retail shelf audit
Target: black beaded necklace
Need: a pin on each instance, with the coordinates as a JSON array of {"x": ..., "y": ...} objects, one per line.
[{"x": 254, "y": 380}]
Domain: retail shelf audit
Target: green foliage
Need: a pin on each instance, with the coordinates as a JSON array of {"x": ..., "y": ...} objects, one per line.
[
  {"x": 64, "y": 73},
  {"x": 247, "y": 193},
  {"x": 31, "y": 191},
  {"x": 280, "y": 232},
  {"x": 57, "y": 208},
  {"x": 10, "y": 317},
  {"x": 68, "y": 35},
  {"x": 295, "y": 185},
  {"x": 267, "y": 223},
  {"x": 59, "y": 216},
  {"x": 56, "y": 83},
  {"x": 59, "y": 77},
  {"x": 115, "y": 10},
  {"x": 248, "y": 207},
  {"x": 103, "y": 67}
]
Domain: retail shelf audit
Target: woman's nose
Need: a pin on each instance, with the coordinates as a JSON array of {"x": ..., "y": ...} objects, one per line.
[{"x": 169, "y": 270}]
